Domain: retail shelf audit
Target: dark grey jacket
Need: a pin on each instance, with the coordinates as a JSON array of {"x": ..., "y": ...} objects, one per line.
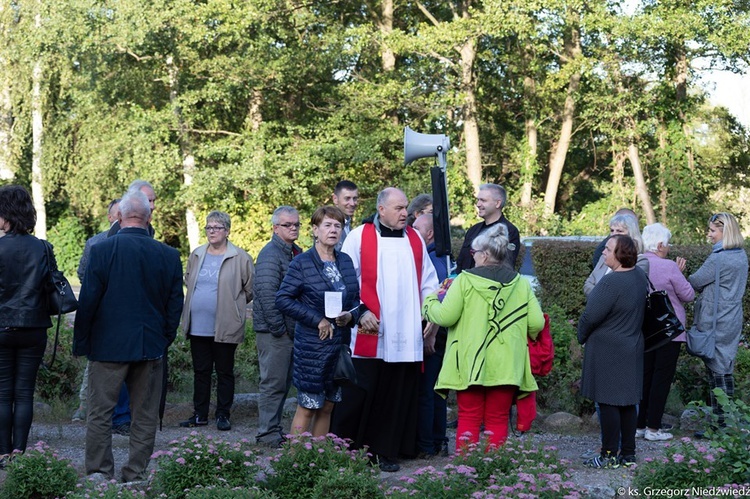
[{"x": 270, "y": 269}]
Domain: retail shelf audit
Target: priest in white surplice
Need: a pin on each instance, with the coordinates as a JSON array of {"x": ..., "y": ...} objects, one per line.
[{"x": 395, "y": 273}]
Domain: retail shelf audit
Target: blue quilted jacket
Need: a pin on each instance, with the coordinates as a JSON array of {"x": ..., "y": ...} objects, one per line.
[{"x": 301, "y": 296}]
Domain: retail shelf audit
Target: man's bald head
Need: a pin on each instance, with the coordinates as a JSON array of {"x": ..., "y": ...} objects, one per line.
[{"x": 425, "y": 226}]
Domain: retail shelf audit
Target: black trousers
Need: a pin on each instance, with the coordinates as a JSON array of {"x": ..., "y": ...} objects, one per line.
[
  {"x": 21, "y": 353},
  {"x": 659, "y": 367},
  {"x": 618, "y": 428},
  {"x": 207, "y": 355}
]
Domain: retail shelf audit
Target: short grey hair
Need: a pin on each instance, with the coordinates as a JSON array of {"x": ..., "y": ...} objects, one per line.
[
  {"x": 631, "y": 225},
  {"x": 134, "y": 204},
  {"x": 495, "y": 242},
  {"x": 282, "y": 210},
  {"x": 653, "y": 235},
  {"x": 139, "y": 184},
  {"x": 220, "y": 217},
  {"x": 498, "y": 192}
]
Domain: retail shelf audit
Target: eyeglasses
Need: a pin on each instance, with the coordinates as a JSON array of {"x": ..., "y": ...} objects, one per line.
[
  {"x": 211, "y": 228},
  {"x": 473, "y": 252},
  {"x": 715, "y": 219},
  {"x": 290, "y": 225}
]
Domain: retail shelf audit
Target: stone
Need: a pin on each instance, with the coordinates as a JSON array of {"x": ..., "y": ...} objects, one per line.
[
  {"x": 694, "y": 419},
  {"x": 561, "y": 421}
]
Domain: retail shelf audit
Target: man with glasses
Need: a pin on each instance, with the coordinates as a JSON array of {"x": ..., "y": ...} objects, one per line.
[{"x": 274, "y": 331}]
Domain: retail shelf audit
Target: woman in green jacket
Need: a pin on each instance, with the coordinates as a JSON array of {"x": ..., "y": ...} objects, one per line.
[{"x": 490, "y": 311}]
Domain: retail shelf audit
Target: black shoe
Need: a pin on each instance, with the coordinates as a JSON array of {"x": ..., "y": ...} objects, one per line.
[
  {"x": 426, "y": 455},
  {"x": 223, "y": 424},
  {"x": 627, "y": 461},
  {"x": 194, "y": 421},
  {"x": 121, "y": 429},
  {"x": 444, "y": 452},
  {"x": 387, "y": 465}
]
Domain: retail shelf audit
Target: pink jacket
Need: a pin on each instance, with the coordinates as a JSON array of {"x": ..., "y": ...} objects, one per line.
[{"x": 665, "y": 274}]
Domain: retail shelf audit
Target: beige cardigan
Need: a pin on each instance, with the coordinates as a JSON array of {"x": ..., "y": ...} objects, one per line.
[
  {"x": 601, "y": 270},
  {"x": 235, "y": 291}
]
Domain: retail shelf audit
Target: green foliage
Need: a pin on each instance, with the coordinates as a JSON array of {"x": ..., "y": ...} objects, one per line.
[
  {"x": 724, "y": 460},
  {"x": 227, "y": 493},
  {"x": 305, "y": 460},
  {"x": 200, "y": 460},
  {"x": 62, "y": 379},
  {"x": 514, "y": 470},
  {"x": 562, "y": 267},
  {"x": 559, "y": 390},
  {"x": 107, "y": 490},
  {"x": 346, "y": 483},
  {"x": 68, "y": 237},
  {"x": 39, "y": 473}
]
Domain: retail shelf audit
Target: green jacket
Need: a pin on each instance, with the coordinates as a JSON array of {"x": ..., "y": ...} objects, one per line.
[{"x": 489, "y": 311}]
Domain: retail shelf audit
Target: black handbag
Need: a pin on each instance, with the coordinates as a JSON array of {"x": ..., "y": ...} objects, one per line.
[
  {"x": 344, "y": 374},
  {"x": 660, "y": 323},
  {"x": 60, "y": 296}
]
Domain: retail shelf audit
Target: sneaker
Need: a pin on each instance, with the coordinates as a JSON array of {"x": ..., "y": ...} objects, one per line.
[
  {"x": 627, "y": 461},
  {"x": 79, "y": 415},
  {"x": 604, "y": 461},
  {"x": 121, "y": 429},
  {"x": 589, "y": 454},
  {"x": 658, "y": 435},
  {"x": 640, "y": 432},
  {"x": 223, "y": 424},
  {"x": 194, "y": 421},
  {"x": 388, "y": 466}
]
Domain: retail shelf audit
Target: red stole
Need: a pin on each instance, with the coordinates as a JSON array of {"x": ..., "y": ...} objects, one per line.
[{"x": 369, "y": 265}]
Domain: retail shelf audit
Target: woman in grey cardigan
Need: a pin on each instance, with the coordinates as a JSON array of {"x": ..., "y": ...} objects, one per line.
[{"x": 730, "y": 258}]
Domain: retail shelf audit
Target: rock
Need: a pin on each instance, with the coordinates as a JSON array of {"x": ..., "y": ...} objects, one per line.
[
  {"x": 247, "y": 403},
  {"x": 594, "y": 420},
  {"x": 561, "y": 421},
  {"x": 599, "y": 492},
  {"x": 694, "y": 419}
]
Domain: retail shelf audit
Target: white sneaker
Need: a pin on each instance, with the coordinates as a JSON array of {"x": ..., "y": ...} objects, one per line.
[
  {"x": 657, "y": 435},
  {"x": 640, "y": 432}
]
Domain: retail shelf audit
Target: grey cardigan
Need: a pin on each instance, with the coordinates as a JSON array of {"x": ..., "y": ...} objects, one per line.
[{"x": 732, "y": 280}]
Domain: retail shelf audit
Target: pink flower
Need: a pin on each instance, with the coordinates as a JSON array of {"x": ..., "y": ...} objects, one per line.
[{"x": 678, "y": 458}]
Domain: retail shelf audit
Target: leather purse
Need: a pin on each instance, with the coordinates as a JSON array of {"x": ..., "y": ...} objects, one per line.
[
  {"x": 60, "y": 296},
  {"x": 344, "y": 374},
  {"x": 660, "y": 323}
]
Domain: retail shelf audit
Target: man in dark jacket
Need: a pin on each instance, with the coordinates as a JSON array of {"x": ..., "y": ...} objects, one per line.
[
  {"x": 491, "y": 200},
  {"x": 129, "y": 310},
  {"x": 274, "y": 332}
]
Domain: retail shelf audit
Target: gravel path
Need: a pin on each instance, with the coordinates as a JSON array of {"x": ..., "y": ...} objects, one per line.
[{"x": 68, "y": 440}]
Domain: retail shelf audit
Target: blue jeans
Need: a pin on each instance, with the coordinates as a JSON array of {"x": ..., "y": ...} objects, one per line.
[
  {"x": 122, "y": 409},
  {"x": 21, "y": 353}
]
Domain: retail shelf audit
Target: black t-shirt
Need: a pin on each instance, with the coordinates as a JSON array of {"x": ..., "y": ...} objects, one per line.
[{"x": 466, "y": 261}]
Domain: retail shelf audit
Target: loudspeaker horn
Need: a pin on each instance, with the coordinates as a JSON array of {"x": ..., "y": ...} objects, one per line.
[{"x": 425, "y": 145}]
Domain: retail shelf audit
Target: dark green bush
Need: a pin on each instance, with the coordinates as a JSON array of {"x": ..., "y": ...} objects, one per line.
[
  {"x": 62, "y": 380},
  {"x": 68, "y": 237},
  {"x": 39, "y": 473}
]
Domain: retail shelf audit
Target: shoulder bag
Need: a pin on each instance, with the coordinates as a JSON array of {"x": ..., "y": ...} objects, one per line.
[
  {"x": 660, "y": 323},
  {"x": 542, "y": 351},
  {"x": 703, "y": 343},
  {"x": 60, "y": 297},
  {"x": 344, "y": 374}
]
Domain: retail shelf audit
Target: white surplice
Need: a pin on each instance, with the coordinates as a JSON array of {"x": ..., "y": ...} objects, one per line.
[{"x": 400, "y": 335}]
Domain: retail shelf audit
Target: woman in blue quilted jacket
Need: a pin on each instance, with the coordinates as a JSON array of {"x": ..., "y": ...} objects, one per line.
[{"x": 317, "y": 338}]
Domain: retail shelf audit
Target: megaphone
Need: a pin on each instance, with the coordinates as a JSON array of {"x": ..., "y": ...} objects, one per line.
[{"x": 425, "y": 145}]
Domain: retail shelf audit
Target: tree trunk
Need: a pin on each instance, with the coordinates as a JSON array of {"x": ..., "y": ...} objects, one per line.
[
  {"x": 560, "y": 148},
  {"x": 529, "y": 162},
  {"x": 6, "y": 105},
  {"x": 188, "y": 159},
  {"x": 37, "y": 135},
  {"x": 640, "y": 183},
  {"x": 681, "y": 81},
  {"x": 385, "y": 24},
  {"x": 662, "y": 178},
  {"x": 468, "y": 51},
  {"x": 254, "y": 116}
]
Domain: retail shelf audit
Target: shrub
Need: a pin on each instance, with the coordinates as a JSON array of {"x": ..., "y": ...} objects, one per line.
[
  {"x": 346, "y": 483},
  {"x": 559, "y": 390},
  {"x": 227, "y": 493},
  {"x": 62, "y": 380},
  {"x": 107, "y": 490},
  {"x": 39, "y": 473},
  {"x": 724, "y": 459},
  {"x": 304, "y": 461},
  {"x": 514, "y": 470},
  {"x": 68, "y": 238},
  {"x": 200, "y": 460}
]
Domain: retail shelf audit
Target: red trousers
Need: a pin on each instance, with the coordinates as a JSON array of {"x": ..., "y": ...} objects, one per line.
[{"x": 478, "y": 404}]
